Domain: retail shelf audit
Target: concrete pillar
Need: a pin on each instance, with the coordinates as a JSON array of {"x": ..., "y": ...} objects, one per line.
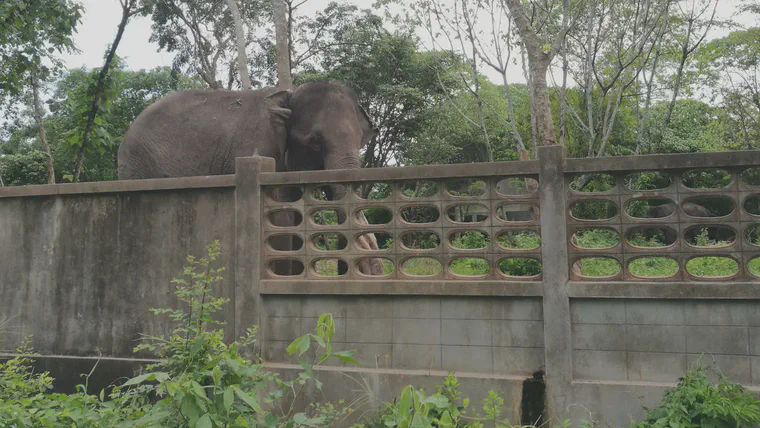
[
  {"x": 557, "y": 325},
  {"x": 248, "y": 242}
]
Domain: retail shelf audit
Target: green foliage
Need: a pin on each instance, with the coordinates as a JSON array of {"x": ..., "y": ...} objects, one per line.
[
  {"x": 31, "y": 31},
  {"x": 699, "y": 403},
  {"x": 200, "y": 381},
  {"x": 127, "y": 93},
  {"x": 17, "y": 379}
]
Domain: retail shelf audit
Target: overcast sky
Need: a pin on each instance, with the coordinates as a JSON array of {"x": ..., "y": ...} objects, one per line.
[{"x": 101, "y": 17}]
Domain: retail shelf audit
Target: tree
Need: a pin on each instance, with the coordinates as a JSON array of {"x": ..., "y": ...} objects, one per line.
[
  {"x": 31, "y": 33},
  {"x": 282, "y": 35},
  {"x": 698, "y": 18},
  {"x": 242, "y": 58},
  {"x": 610, "y": 49},
  {"x": 201, "y": 34},
  {"x": 541, "y": 43},
  {"x": 129, "y": 8},
  {"x": 389, "y": 74},
  {"x": 731, "y": 67}
]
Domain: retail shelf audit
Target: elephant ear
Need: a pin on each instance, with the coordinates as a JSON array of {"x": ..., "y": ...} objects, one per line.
[
  {"x": 369, "y": 131},
  {"x": 279, "y": 113}
]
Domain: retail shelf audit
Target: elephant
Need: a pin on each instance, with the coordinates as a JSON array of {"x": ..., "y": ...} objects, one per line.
[{"x": 318, "y": 125}]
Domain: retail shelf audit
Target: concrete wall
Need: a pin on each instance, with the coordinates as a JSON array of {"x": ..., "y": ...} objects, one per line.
[
  {"x": 81, "y": 264},
  {"x": 80, "y": 271}
]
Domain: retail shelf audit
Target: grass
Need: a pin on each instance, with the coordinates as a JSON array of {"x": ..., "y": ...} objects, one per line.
[
  {"x": 653, "y": 267},
  {"x": 423, "y": 266}
]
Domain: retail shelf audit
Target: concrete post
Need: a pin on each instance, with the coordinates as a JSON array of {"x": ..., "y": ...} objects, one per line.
[
  {"x": 557, "y": 324},
  {"x": 248, "y": 254}
]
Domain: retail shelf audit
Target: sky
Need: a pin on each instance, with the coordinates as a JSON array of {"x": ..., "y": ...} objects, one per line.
[{"x": 101, "y": 17}]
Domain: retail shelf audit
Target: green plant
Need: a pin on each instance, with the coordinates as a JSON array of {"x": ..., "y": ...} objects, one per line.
[
  {"x": 698, "y": 402},
  {"x": 200, "y": 381}
]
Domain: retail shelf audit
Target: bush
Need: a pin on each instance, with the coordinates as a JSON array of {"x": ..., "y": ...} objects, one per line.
[
  {"x": 200, "y": 381},
  {"x": 697, "y": 402}
]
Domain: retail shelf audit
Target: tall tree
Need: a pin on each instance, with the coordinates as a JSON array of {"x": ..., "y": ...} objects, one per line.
[
  {"x": 282, "y": 35},
  {"x": 201, "y": 33},
  {"x": 242, "y": 58},
  {"x": 698, "y": 16},
  {"x": 129, "y": 8},
  {"x": 534, "y": 30},
  {"x": 31, "y": 34}
]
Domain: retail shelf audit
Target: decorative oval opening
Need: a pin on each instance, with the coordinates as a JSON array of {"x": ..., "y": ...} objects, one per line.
[
  {"x": 648, "y": 180},
  {"x": 420, "y": 241},
  {"x": 466, "y": 188},
  {"x": 375, "y": 266},
  {"x": 374, "y": 241},
  {"x": 650, "y": 207},
  {"x": 593, "y": 209},
  {"x": 706, "y": 178},
  {"x": 752, "y": 235},
  {"x": 712, "y": 267},
  {"x": 372, "y": 216},
  {"x": 421, "y": 266},
  {"x": 419, "y": 214},
  {"x": 595, "y": 238},
  {"x": 517, "y": 212},
  {"x": 710, "y": 236},
  {"x": 329, "y": 241},
  {"x": 285, "y": 242},
  {"x": 753, "y": 266},
  {"x": 333, "y": 192},
  {"x": 596, "y": 267},
  {"x": 330, "y": 267},
  {"x": 419, "y": 189},
  {"x": 751, "y": 176},
  {"x": 517, "y": 186},
  {"x": 708, "y": 207},
  {"x": 520, "y": 267},
  {"x": 285, "y": 218},
  {"x": 285, "y": 193},
  {"x": 469, "y": 240},
  {"x": 752, "y": 205},
  {"x": 653, "y": 267},
  {"x": 328, "y": 216},
  {"x": 651, "y": 237},
  {"x": 519, "y": 239},
  {"x": 467, "y": 213},
  {"x": 286, "y": 267},
  {"x": 373, "y": 191},
  {"x": 470, "y": 266},
  {"x": 593, "y": 183}
]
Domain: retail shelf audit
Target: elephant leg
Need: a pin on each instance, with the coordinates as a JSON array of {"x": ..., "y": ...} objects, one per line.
[{"x": 369, "y": 266}]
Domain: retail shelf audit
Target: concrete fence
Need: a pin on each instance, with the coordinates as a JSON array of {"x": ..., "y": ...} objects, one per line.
[{"x": 80, "y": 264}]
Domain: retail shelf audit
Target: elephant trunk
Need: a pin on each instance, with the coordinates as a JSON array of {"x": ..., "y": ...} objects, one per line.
[{"x": 348, "y": 160}]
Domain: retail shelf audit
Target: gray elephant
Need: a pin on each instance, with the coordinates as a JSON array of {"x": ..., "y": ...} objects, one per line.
[{"x": 319, "y": 125}]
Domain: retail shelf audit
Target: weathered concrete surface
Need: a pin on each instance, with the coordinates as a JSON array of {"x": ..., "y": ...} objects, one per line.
[
  {"x": 492, "y": 336},
  {"x": 556, "y": 303},
  {"x": 81, "y": 271},
  {"x": 366, "y": 389}
]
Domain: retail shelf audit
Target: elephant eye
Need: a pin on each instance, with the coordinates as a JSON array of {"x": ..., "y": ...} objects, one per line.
[{"x": 317, "y": 142}]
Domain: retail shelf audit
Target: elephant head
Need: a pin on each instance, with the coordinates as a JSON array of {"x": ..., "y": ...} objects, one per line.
[{"x": 326, "y": 129}]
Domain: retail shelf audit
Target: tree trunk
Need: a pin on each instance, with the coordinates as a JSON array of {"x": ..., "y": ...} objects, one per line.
[
  {"x": 519, "y": 144},
  {"x": 284, "y": 78},
  {"x": 542, "y": 107},
  {"x": 676, "y": 88},
  {"x": 240, "y": 38},
  {"x": 563, "y": 100},
  {"x": 41, "y": 125},
  {"x": 126, "y": 13},
  {"x": 643, "y": 117}
]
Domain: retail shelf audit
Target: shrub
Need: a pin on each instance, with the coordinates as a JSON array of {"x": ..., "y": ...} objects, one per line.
[
  {"x": 698, "y": 402},
  {"x": 199, "y": 382}
]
